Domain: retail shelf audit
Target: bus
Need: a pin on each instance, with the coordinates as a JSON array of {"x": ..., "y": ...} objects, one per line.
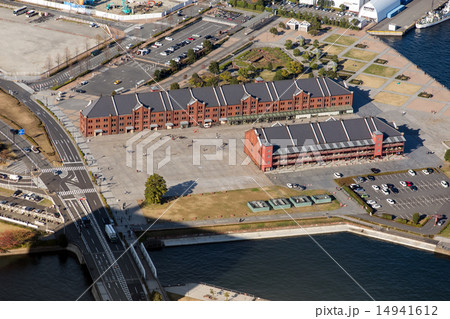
[
  {"x": 20, "y": 11},
  {"x": 31, "y": 13}
]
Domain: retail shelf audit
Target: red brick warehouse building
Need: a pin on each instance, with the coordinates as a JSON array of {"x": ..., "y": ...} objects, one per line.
[
  {"x": 290, "y": 145},
  {"x": 233, "y": 104}
]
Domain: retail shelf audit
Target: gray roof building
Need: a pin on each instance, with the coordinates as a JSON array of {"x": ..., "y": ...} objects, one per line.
[
  {"x": 335, "y": 134},
  {"x": 212, "y": 96}
]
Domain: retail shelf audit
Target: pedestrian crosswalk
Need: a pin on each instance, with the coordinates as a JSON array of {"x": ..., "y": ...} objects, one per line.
[
  {"x": 18, "y": 167},
  {"x": 63, "y": 169},
  {"x": 77, "y": 191}
]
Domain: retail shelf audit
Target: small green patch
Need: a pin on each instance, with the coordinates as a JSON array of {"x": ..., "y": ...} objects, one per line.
[
  {"x": 340, "y": 39},
  {"x": 360, "y": 55},
  {"x": 380, "y": 70}
]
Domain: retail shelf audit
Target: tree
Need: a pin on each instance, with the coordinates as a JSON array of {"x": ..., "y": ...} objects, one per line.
[
  {"x": 174, "y": 86},
  {"x": 274, "y": 31},
  {"x": 343, "y": 7},
  {"x": 322, "y": 72},
  {"x": 288, "y": 44},
  {"x": 67, "y": 55},
  {"x": 278, "y": 76},
  {"x": 316, "y": 43},
  {"x": 305, "y": 55},
  {"x": 207, "y": 45},
  {"x": 415, "y": 218},
  {"x": 225, "y": 76},
  {"x": 173, "y": 65},
  {"x": 214, "y": 67},
  {"x": 227, "y": 295},
  {"x": 243, "y": 72},
  {"x": 155, "y": 188},
  {"x": 196, "y": 80},
  {"x": 296, "y": 52},
  {"x": 295, "y": 67},
  {"x": 157, "y": 75},
  {"x": 301, "y": 41},
  {"x": 156, "y": 296},
  {"x": 190, "y": 56},
  {"x": 269, "y": 66},
  {"x": 211, "y": 81},
  {"x": 285, "y": 73},
  {"x": 355, "y": 21},
  {"x": 281, "y": 25},
  {"x": 57, "y": 59}
]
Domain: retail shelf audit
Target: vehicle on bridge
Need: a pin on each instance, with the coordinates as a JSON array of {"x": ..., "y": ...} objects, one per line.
[{"x": 111, "y": 232}]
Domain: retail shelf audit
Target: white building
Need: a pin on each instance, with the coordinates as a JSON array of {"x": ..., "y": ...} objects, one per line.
[
  {"x": 377, "y": 10},
  {"x": 311, "y": 2},
  {"x": 300, "y": 26},
  {"x": 352, "y": 5}
]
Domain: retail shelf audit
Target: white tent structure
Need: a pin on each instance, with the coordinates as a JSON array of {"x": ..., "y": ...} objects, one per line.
[
  {"x": 377, "y": 10},
  {"x": 352, "y": 5}
]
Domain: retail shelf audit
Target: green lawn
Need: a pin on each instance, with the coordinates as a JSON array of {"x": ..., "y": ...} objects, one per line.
[
  {"x": 446, "y": 231},
  {"x": 360, "y": 55},
  {"x": 380, "y": 70},
  {"x": 340, "y": 39},
  {"x": 230, "y": 204},
  {"x": 267, "y": 75}
]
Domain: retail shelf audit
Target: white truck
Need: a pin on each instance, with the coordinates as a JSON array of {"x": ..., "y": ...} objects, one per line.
[
  {"x": 15, "y": 178},
  {"x": 111, "y": 233}
]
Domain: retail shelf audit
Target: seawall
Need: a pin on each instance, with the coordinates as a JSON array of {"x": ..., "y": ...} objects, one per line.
[{"x": 309, "y": 231}]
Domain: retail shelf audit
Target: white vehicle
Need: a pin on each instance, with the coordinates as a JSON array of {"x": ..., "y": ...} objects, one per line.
[
  {"x": 84, "y": 82},
  {"x": 129, "y": 46},
  {"x": 164, "y": 53},
  {"x": 158, "y": 44},
  {"x": 376, "y": 187},
  {"x": 384, "y": 186},
  {"x": 31, "y": 13},
  {"x": 289, "y": 185},
  {"x": 385, "y": 191},
  {"x": 371, "y": 202},
  {"x": 177, "y": 59},
  {"x": 426, "y": 172},
  {"x": 444, "y": 184},
  {"x": 171, "y": 49},
  {"x": 154, "y": 46},
  {"x": 168, "y": 38},
  {"x": 376, "y": 206},
  {"x": 144, "y": 51},
  {"x": 196, "y": 35},
  {"x": 338, "y": 175},
  {"x": 15, "y": 178},
  {"x": 111, "y": 233},
  {"x": 390, "y": 201},
  {"x": 403, "y": 183},
  {"x": 411, "y": 172}
]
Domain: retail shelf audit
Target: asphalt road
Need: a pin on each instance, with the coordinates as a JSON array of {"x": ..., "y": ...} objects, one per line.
[{"x": 92, "y": 241}]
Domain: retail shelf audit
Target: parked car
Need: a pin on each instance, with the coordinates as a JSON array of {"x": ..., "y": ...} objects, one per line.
[
  {"x": 444, "y": 184},
  {"x": 390, "y": 201},
  {"x": 338, "y": 175},
  {"x": 289, "y": 185},
  {"x": 371, "y": 202},
  {"x": 191, "y": 39},
  {"x": 411, "y": 172},
  {"x": 17, "y": 192},
  {"x": 375, "y": 170},
  {"x": 370, "y": 177},
  {"x": 385, "y": 191},
  {"x": 402, "y": 183},
  {"x": 376, "y": 187},
  {"x": 413, "y": 188},
  {"x": 168, "y": 38},
  {"x": 84, "y": 82},
  {"x": 116, "y": 82},
  {"x": 376, "y": 206}
]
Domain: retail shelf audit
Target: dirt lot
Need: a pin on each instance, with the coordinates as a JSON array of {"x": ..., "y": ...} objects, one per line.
[
  {"x": 371, "y": 81},
  {"x": 28, "y": 47},
  {"x": 353, "y": 65},
  {"x": 402, "y": 87},
  {"x": 391, "y": 98},
  {"x": 18, "y": 116},
  {"x": 7, "y": 226},
  {"x": 230, "y": 204},
  {"x": 360, "y": 55}
]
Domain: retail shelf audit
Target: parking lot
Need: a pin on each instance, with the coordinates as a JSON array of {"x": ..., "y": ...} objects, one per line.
[
  {"x": 429, "y": 197},
  {"x": 201, "y": 28}
]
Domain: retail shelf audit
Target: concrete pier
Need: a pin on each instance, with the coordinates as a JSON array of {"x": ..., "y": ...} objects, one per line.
[{"x": 406, "y": 19}]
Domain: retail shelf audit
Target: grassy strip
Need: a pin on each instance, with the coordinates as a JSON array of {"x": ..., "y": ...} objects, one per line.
[
  {"x": 390, "y": 227},
  {"x": 242, "y": 48},
  {"x": 226, "y": 229},
  {"x": 358, "y": 199}
]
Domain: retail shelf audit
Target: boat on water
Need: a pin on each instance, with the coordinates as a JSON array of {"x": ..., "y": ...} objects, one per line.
[{"x": 434, "y": 17}]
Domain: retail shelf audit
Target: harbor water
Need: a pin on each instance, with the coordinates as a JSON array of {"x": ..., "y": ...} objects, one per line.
[
  {"x": 427, "y": 48},
  {"x": 296, "y": 268}
]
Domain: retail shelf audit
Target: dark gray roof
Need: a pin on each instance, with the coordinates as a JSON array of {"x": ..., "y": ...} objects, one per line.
[
  {"x": 258, "y": 90},
  {"x": 103, "y": 107},
  {"x": 206, "y": 95},
  {"x": 232, "y": 95},
  {"x": 326, "y": 135}
]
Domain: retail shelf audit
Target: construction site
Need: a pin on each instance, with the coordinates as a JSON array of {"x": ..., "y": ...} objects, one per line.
[{"x": 132, "y": 7}]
